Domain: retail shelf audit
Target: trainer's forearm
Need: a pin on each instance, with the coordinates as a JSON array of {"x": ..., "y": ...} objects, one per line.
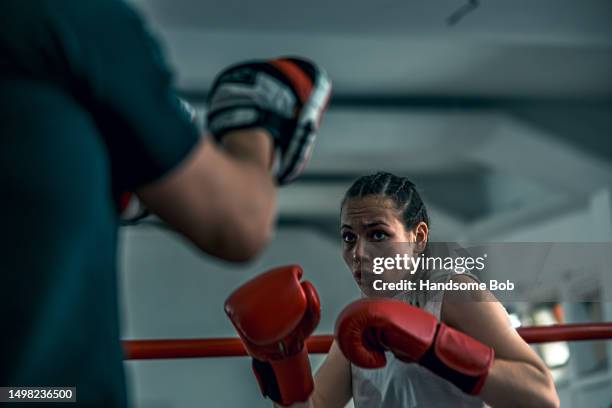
[
  {"x": 249, "y": 211},
  {"x": 223, "y": 204},
  {"x": 254, "y": 201},
  {"x": 518, "y": 384}
]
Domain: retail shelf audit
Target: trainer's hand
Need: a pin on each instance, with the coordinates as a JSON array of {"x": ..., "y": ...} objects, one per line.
[
  {"x": 285, "y": 96},
  {"x": 274, "y": 314},
  {"x": 367, "y": 328}
]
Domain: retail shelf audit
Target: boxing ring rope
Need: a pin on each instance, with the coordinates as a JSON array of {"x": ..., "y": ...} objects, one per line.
[{"x": 320, "y": 344}]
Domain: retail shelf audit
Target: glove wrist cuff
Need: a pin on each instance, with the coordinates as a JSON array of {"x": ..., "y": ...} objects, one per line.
[
  {"x": 285, "y": 381},
  {"x": 459, "y": 359}
]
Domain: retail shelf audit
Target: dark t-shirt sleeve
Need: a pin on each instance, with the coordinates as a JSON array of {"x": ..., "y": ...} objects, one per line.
[{"x": 119, "y": 73}]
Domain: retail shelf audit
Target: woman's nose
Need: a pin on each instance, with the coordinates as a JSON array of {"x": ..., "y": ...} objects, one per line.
[{"x": 359, "y": 251}]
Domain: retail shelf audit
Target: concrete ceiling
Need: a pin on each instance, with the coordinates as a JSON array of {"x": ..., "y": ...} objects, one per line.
[
  {"x": 501, "y": 116},
  {"x": 519, "y": 48},
  {"x": 553, "y": 19}
]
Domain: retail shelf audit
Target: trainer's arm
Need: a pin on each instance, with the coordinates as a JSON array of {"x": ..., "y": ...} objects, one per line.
[
  {"x": 518, "y": 377},
  {"x": 332, "y": 383},
  {"x": 222, "y": 198}
]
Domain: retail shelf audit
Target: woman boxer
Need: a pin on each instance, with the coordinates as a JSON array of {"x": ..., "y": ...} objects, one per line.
[
  {"x": 381, "y": 213},
  {"x": 466, "y": 352}
]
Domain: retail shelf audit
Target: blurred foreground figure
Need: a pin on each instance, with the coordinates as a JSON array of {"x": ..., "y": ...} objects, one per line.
[{"x": 87, "y": 113}]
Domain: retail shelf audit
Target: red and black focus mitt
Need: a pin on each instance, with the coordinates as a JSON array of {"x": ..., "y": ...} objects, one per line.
[{"x": 285, "y": 96}]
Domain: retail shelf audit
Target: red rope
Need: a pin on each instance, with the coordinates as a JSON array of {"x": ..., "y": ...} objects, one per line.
[{"x": 231, "y": 347}]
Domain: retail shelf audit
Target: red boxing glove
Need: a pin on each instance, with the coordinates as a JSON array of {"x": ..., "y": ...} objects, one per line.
[
  {"x": 367, "y": 328},
  {"x": 274, "y": 314}
]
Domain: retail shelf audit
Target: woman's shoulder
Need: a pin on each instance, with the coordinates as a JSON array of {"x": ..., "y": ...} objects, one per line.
[{"x": 460, "y": 305}]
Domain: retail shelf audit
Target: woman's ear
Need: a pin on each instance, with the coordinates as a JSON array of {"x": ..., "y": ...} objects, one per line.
[{"x": 421, "y": 232}]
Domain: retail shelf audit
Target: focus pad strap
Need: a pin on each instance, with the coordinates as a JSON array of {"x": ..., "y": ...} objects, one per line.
[
  {"x": 285, "y": 381},
  {"x": 460, "y": 359}
]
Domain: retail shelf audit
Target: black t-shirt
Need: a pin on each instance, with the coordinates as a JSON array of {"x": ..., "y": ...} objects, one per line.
[{"x": 86, "y": 112}]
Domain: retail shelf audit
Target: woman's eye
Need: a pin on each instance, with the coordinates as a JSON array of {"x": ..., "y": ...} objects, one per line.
[
  {"x": 378, "y": 236},
  {"x": 348, "y": 237}
]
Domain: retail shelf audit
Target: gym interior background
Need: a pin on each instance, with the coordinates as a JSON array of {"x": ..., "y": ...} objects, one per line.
[{"x": 500, "y": 111}]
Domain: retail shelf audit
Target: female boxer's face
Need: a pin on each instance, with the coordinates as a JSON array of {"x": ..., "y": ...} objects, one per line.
[{"x": 371, "y": 227}]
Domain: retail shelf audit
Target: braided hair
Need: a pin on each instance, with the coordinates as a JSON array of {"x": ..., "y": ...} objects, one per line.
[{"x": 403, "y": 192}]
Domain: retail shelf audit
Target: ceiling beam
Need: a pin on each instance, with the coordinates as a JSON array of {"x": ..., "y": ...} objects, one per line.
[{"x": 438, "y": 102}]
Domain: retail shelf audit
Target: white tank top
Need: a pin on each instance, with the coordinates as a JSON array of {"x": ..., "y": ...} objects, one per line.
[{"x": 405, "y": 385}]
